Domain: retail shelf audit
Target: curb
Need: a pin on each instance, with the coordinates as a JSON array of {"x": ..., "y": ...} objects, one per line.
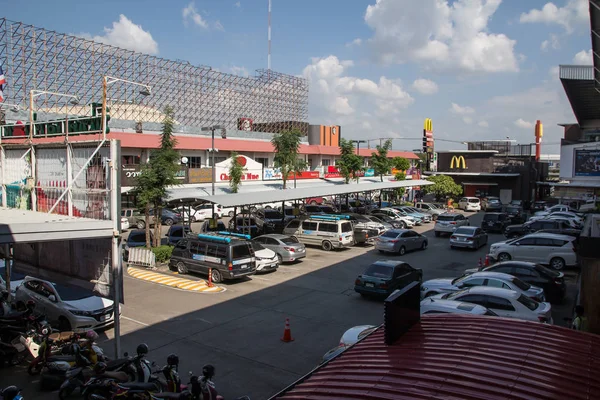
[{"x": 189, "y": 285}]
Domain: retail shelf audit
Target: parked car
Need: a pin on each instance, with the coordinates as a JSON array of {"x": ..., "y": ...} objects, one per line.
[
  {"x": 136, "y": 238},
  {"x": 515, "y": 231},
  {"x": 314, "y": 200},
  {"x": 327, "y": 231},
  {"x": 168, "y": 217},
  {"x": 550, "y": 280},
  {"x": 16, "y": 278},
  {"x": 405, "y": 220},
  {"x": 132, "y": 215},
  {"x": 449, "y": 222},
  {"x": 206, "y": 227},
  {"x": 568, "y": 231},
  {"x": 290, "y": 213},
  {"x": 470, "y": 237},
  {"x": 515, "y": 214},
  {"x": 350, "y": 337},
  {"x": 266, "y": 259},
  {"x": 538, "y": 206},
  {"x": 381, "y": 278},
  {"x": 272, "y": 220},
  {"x": 427, "y": 217},
  {"x": 395, "y": 224},
  {"x": 312, "y": 209},
  {"x": 386, "y": 225},
  {"x": 491, "y": 203},
  {"x": 430, "y": 208},
  {"x": 440, "y": 306},
  {"x": 495, "y": 222},
  {"x": 419, "y": 217},
  {"x": 573, "y": 220},
  {"x": 504, "y": 302},
  {"x": 176, "y": 233},
  {"x": 544, "y": 248},
  {"x": 469, "y": 204},
  {"x": 400, "y": 241},
  {"x": 363, "y": 221},
  {"x": 66, "y": 307},
  {"x": 484, "y": 278},
  {"x": 558, "y": 208},
  {"x": 287, "y": 248},
  {"x": 517, "y": 203},
  {"x": 205, "y": 211},
  {"x": 246, "y": 224}
]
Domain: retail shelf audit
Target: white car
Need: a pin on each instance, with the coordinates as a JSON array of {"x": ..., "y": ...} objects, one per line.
[
  {"x": 266, "y": 259},
  {"x": 559, "y": 214},
  {"x": 469, "y": 204},
  {"x": 350, "y": 337},
  {"x": 407, "y": 220},
  {"x": 124, "y": 224},
  {"x": 550, "y": 249},
  {"x": 440, "y": 306},
  {"x": 484, "y": 278},
  {"x": 504, "y": 302},
  {"x": 16, "y": 278},
  {"x": 66, "y": 307}
]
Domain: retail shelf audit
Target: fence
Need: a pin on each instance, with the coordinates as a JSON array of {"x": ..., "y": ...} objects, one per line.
[{"x": 142, "y": 257}]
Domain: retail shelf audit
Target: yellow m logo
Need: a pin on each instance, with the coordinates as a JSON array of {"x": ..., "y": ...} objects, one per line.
[
  {"x": 428, "y": 126},
  {"x": 458, "y": 160}
]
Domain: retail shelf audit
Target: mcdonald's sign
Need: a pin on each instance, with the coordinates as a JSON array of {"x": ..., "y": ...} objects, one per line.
[
  {"x": 458, "y": 160},
  {"x": 428, "y": 126}
]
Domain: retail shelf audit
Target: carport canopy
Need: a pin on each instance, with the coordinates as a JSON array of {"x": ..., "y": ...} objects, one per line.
[{"x": 274, "y": 196}]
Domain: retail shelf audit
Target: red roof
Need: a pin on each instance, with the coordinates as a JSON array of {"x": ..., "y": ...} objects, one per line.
[
  {"x": 184, "y": 142},
  {"x": 462, "y": 357}
]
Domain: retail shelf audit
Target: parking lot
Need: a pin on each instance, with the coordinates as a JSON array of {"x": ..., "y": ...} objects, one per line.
[{"x": 239, "y": 330}]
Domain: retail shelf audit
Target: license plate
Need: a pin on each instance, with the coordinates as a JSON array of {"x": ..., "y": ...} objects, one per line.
[
  {"x": 369, "y": 285},
  {"x": 244, "y": 266}
]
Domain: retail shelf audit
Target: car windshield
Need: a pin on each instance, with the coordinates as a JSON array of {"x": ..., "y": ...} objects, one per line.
[
  {"x": 455, "y": 295},
  {"x": 375, "y": 219},
  {"x": 490, "y": 312},
  {"x": 289, "y": 240},
  {"x": 446, "y": 218},
  {"x": 464, "y": 231},
  {"x": 473, "y": 200},
  {"x": 272, "y": 214},
  {"x": 493, "y": 201},
  {"x": 460, "y": 279},
  {"x": 241, "y": 251},
  {"x": 520, "y": 284},
  {"x": 71, "y": 293},
  {"x": 527, "y": 302},
  {"x": 390, "y": 234},
  {"x": 490, "y": 217},
  {"x": 257, "y": 246},
  {"x": 137, "y": 237},
  {"x": 512, "y": 209},
  {"x": 379, "y": 271},
  {"x": 547, "y": 271}
]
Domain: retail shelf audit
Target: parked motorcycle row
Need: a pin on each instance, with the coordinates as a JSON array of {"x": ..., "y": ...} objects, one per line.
[{"x": 74, "y": 365}]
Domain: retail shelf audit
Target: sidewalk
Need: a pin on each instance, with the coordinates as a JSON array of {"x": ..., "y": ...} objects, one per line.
[{"x": 199, "y": 286}]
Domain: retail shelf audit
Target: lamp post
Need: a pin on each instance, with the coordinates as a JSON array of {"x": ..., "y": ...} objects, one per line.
[
  {"x": 212, "y": 129},
  {"x": 35, "y": 93},
  {"x": 146, "y": 90}
]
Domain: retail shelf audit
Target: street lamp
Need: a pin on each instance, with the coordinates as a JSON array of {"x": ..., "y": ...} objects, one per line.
[
  {"x": 212, "y": 129},
  {"x": 35, "y": 93},
  {"x": 145, "y": 90}
]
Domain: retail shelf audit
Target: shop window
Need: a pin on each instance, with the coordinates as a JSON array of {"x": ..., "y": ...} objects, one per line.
[
  {"x": 195, "y": 162},
  {"x": 326, "y": 162},
  {"x": 130, "y": 160},
  {"x": 217, "y": 160},
  {"x": 263, "y": 160}
]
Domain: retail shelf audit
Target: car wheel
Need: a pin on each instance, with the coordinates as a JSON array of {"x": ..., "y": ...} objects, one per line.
[
  {"x": 140, "y": 224},
  {"x": 402, "y": 250},
  {"x": 64, "y": 325},
  {"x": 169, "y": 222},
  {"x": 437, "y": 234},
  {"x": 326, "y": 245},
  {"x": 268, "y": 207},
  {"x": 402, "y": 225},
  {"x": 216, "y": 276},
  {"x": 504, "y": 257},
  {"x": 181, "y": 268},
  {"x": 279, "y": 258},
  {"x": 194, "y": 219},
  {"x": 424, "y": 245},
  {"x": 230, "y": 213},
  {"x": 557, "y": 263}
]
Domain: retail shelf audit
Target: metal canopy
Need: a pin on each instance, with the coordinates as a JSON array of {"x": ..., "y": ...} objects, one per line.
[
  {"x": 581, "y": 89},
  {"x": 273, "y": 196},
  {"x": 25, "y": 226}
]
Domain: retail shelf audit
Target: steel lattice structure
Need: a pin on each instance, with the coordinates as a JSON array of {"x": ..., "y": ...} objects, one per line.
[{"x": 36, "y": 58}]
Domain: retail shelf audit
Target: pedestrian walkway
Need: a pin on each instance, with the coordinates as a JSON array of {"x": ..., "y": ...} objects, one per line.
[{"x": 174, "y": 281}]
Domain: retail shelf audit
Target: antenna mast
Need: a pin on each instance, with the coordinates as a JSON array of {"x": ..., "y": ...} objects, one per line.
[{"x": 269, "y": 37}]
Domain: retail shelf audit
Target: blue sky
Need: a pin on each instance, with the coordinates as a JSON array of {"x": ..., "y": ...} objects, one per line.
[{"x": 479, "y": 68}]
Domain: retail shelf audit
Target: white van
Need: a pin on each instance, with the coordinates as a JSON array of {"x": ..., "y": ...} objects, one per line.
[
  {"x": 469, "y": 204},
  {"x": 327, "y": 231}
]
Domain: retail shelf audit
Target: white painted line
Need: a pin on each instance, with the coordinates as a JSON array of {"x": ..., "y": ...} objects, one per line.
[
  {"x": 283, "y": 267},
  {"x": 133, "y": 320},
  {"x": 260, "y": 279}
]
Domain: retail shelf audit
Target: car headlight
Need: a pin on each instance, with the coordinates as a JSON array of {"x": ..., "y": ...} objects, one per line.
[
  {"x": 81, "y": 313},
  {"x": 424, "y": 288}
]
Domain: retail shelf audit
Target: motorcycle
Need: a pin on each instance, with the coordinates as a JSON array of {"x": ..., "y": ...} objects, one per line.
[
  {"x": 49, "y": 347},
  {"x": 12, "y": 353},
  {"x": 206, "y": 386},
  {"x": 54, "y": 372},
  {"x": 11, "y": 393}
]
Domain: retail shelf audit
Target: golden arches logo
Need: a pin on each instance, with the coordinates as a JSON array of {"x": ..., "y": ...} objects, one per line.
[
  {"x": 458, "y": 160},
  {"x": 428, "y": 126}
]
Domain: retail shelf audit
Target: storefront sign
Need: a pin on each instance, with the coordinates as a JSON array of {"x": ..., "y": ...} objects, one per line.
[
  {"x": 249, "y": 176},
  {"x": 270, "y": 174},
  {"x": 129, "y": 174},
  {"x": 181, "y": 174},
  {"x": 200, "y": 175},
  {"x": 587, "y": 162},
  {"x": 458, "y": 162},
  {"x": 253, "y": 171},
  {"x": 77, "y": 125},
  {"x": 333, "y": 172}
]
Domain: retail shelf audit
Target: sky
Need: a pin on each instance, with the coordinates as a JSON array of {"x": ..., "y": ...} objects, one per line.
[{"x": 480, "y": 69}]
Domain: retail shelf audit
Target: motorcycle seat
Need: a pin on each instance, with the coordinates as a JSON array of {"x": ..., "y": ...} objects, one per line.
[
  {"x": 67, "y": 358},
  {"x": 114, "y": 364},
  {"x": 59, "y": 336},
  {"x": 118, "y": 376},
  {"x": 139, "y": 386}
]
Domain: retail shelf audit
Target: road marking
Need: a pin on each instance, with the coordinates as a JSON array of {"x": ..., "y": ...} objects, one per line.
[
  {"x": 260, "y": 279},
  {"x": 134, "y": 320},
  {"x": 176, "y": 282}
]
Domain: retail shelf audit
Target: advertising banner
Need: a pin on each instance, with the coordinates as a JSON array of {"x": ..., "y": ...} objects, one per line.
[
  {"x": 333, "y": 172},
  {"x": 253, "y": 171},
  {"x": 200, "y": 175},
  {"x": 129, "y": 173},
  {"x": 587, "y": 163},
  {"x": 270, "y": 174}
]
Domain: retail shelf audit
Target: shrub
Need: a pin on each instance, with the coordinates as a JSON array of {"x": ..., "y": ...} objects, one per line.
[{"x": 162, "y": 253}]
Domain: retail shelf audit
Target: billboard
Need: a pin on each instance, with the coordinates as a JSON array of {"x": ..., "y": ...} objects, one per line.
[{"x": 587, "y": 162}]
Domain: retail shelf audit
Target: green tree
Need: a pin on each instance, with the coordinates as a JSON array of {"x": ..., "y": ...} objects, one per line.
[
  {"x": 380, "y": 161},
  {"x": 236, "y": 171},
  {"x": 350, "y": 163},
  {"x": 286, "y": 146},
  {"x": 157, "y": 176},
  {"x": 401, "y": 163},
  {"x": 443, "y": 186},
  {"x": 400, "y": 176}
]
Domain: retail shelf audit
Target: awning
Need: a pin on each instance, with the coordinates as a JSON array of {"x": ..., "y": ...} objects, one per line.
[
  {"x": 25, "y": 226},
  {"x": 479, "y": 184},
  {"x": 273, "y": 196}
]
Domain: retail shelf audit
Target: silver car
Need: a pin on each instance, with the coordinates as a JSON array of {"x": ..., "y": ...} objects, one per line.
[
  {"x": 489, "y": 279},
  {"x": 430, "y": 208},
  {"x": 449, "y": 222},
  {"x": 66, "y": 307},
  {"x": 470, "y": 237},
  {"x": 288, "y": 248},
  {"x": 400, "y": 241}
]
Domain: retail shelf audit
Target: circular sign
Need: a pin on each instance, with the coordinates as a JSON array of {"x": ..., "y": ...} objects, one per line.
[{"x": 241, "y": 160}]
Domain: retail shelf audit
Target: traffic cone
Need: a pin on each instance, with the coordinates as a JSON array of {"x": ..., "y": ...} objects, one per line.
[
  {"x": 487, "y": 260},
  {"x": 287, "y": 333},
  {"x": 479, "y": 264}
]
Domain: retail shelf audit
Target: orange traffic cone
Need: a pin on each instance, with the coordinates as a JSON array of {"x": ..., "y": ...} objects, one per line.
[
  {"x": 487, "y": 260},
  {"x": 287, "y": 333},
  {"x": 479, "y": 264}
]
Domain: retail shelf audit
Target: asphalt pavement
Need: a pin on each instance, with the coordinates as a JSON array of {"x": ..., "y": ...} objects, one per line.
[{"x": 239, "y": 330}]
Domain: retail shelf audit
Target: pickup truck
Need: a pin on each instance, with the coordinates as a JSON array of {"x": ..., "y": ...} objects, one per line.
[{"x": 515, "y": 231}]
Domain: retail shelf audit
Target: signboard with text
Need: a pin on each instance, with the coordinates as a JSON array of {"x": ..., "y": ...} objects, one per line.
[
  {"x": 270, "y": 174},
  {"x": 200, "y": 175},
  {"x": 587, "y": 163},
  {"x": 129, "y": 174}
]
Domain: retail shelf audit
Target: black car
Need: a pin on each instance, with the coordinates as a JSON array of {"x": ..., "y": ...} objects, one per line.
[
  {"x": 515, "y": 213},
  {"x": 566, "y": 231},
  {"x": 246, "y": 224},
  {"x": 272, "y": 220},
  {"x": 495, "y": 222},
  {"x": 176, "y": 233},
  {"x": 550, "y": 280},
  {"x": 538, "y": 206},
  {"x": 515, "y": 231},
  {"x": 382, "y": 277},
  {"x": 136, "y": 238}
]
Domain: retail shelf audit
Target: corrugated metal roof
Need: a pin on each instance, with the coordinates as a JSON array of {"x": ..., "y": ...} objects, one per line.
[{"x": 462, "y": 357}]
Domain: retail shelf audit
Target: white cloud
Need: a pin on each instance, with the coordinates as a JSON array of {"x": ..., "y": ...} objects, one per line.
[
  {"x": 355, "y": 42},
  {"x": 127, "y": 35},
  {"x": 553, "y": 42},
  {"x": 440, "y": 35},
  {"x": 456, "y": 109},
  {"x": 574, "y": 14},
  {"x": 425, "y": 86},
  {"x": 238, "y": 4},
  {"x": 521, "y": 123},
  {"x": 583, "y": 58},
  {"x": 483, "y": 124},
  {"x": 553, "y": 72},
  {"x": 241, "y": 71},
  {"x": 191, "y": 13},
  {"x": 467, "y": 120},
  {"x": 219, "y": 26}
]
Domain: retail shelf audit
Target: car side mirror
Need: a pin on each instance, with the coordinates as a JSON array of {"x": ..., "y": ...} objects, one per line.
[
  {"x": 52, "y": 298},
  {"x": 517, "y": 244}
]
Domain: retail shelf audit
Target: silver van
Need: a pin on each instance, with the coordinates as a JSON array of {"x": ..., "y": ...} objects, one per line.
[{"x": 327, "y": 231}]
